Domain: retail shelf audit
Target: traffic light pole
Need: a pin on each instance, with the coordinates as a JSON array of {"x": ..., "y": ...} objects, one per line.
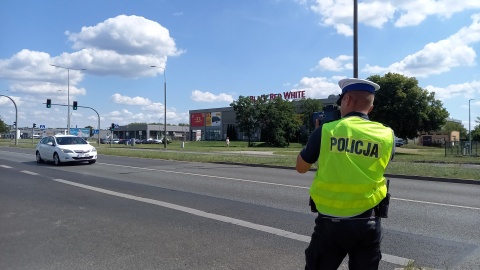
[{"x": 98, "y": 116}]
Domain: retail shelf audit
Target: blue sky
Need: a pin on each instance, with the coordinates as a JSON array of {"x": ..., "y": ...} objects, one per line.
[{"x": 215, "y": 51}]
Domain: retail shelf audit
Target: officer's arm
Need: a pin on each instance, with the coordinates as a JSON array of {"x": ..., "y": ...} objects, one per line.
[
  {"x": 310, "y": 153},
  {"x": 302, "y": 166}
]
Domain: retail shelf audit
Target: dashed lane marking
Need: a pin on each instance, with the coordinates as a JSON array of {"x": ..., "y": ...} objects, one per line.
[
  {"x": 282, "y": 233},
  {"x": 29, "y": 172}
]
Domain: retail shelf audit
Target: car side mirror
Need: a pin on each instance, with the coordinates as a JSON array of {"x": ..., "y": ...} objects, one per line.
[{"x": 50, "y": 143}]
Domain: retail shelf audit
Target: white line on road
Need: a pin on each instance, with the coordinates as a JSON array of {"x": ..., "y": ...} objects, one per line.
[
  {"x": 29, "y": 172},
  {"x": 5, "y": 166},
  {"x": 274, "y": 184},
  {"x": 209, "y": 176},
  {"x": 442, "y": 204},
  {"x": 303, "y": 238}
]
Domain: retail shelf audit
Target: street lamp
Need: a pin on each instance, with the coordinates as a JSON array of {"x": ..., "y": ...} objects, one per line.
[
  {"x": 355, "y": 38},
  {"x": 16, "y": 118},
  {"x": 469, "y": 133},
  {"x": 68, "y": 92},
  {"x": 164, "y": 105}
]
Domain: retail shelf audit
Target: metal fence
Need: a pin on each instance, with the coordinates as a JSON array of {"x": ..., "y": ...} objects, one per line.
[{"x": 462, "y": 148}]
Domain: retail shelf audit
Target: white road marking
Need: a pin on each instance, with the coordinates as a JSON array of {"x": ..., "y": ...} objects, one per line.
[
  {"x": 5, "y": 166},
  {"x": 267, "y": 229},
  {"x": 29, "y": 172},
  {"x": 273, "y": 184},
  {"x": 209, "y": 176},
  {"x": 441, "y": 204}
]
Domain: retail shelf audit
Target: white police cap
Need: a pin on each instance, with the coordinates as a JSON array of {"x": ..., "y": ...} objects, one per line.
[{"x": 354, "y": 84}]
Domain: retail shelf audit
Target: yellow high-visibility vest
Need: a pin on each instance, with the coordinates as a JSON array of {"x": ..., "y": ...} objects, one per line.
[{"x": 354, "y": 153}]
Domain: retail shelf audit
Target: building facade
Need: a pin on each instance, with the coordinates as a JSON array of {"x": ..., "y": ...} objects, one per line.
[{"x": 214, "y": 124}]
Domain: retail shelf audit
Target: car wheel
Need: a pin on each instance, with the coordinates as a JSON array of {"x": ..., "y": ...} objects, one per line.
[
  {"x": 91, "y": 161},
  {"x": 38, "y": 157},
  {"x": 56, "y": 159}
]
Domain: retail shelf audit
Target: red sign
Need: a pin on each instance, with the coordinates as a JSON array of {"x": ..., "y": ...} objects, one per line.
[
  {"x": 286, "y": 95},
  {"x": 197, "y": 120}
]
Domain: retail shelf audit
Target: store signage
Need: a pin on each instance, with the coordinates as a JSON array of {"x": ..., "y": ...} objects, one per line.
[
  {"x": 197, "y": 120},
  {"x": 286, "y": 95}
]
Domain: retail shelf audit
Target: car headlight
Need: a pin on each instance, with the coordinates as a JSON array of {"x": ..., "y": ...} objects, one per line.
[
  {"x": 67, "y": 151},
  {"x": 93, "y": 149}
]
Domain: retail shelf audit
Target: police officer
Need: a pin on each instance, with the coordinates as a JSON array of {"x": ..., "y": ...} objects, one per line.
[{"x": 353, "y": 153}]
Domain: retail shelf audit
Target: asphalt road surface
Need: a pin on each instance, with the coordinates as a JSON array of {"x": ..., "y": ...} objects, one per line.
[{"x": 127, "y": 213}]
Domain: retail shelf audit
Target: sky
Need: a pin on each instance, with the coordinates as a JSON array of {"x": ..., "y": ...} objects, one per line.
[{"x": 208, "y": 53}]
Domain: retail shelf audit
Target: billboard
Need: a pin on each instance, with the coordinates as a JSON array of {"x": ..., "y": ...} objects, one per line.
[
  {"x": 80, "y": 132},
  {"x": 215, "y": 119},
  {"x": 197, "y": 120}
]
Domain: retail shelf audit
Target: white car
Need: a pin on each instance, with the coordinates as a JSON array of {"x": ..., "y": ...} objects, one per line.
[{"x": 65, "y": 148}]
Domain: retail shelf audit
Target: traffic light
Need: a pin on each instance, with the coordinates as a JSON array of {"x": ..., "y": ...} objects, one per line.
[
  {"x": 14, "y": 124},
  {"x": 112, "y": 127},
  {"x": 34, "y": 125},
  {"x": 49, "y": 103},
  {"x": 74, "y": 105}
]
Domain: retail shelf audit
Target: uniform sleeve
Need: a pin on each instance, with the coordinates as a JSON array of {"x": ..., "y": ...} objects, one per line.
[
  {"x": 394, "y": 146},
  {"x": 311, "y": 151}
]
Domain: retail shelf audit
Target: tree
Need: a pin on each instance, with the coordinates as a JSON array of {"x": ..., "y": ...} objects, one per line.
[
  {"x": 183, "y": 125},
  {"x": 405, "y": 107},
  {"x": 3, "y": 126},
  {"x": 246, "y": 116},
  {"x": 307, "y": 108},
  {"x": 476, "y": 133},
  {"x": 454, "y": 126},
  {"x": 278, "y": 121}
]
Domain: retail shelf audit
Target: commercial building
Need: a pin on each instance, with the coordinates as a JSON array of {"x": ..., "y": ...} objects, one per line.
[{"x": 214, "y": 124}]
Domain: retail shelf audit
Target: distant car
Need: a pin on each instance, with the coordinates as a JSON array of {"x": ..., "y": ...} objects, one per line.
[
  {"x": 147, "y": 141},
  {"x": 65, "y": 148},
  {"x": 168, "y": 141},
  {"x": 399, "y": 142}
]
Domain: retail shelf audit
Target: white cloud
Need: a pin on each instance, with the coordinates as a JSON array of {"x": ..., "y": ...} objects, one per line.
[
  {"x": 466, "y": 90},
  {"x": 153, "y": 112},
  {"x": 319, "y": 87},
  {"x": 339, "y": 13},
  {"x": 126, "y": 35},
  {"x": 438, "y": 57},
  {"x": 200, "y": 96},
  {"x": 125, "y": 46},
  {"x": 340, "y": 63},
  {"x": 119, "y": 99},
  {"x": 413, "y": 12}
]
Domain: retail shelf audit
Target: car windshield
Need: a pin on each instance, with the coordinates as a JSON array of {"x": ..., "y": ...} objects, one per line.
[{"x": 70, "y": 140}]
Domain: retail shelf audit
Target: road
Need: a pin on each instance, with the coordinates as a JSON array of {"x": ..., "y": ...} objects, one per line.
[{"x": 128, "y": 213}]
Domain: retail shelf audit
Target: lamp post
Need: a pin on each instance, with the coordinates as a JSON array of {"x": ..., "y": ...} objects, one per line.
[
  {"x": 355, "y": 38},
  {"x": 164, "y": 105},
  {"x": 469, "y": 132},
  {"x": 16, "y": 118},
  {"x": 68, "y": 92}
]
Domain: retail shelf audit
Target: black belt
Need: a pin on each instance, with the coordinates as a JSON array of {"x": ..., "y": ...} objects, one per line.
[{"x": 365, "y": 215}]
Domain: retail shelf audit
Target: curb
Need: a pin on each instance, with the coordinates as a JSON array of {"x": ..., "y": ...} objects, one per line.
[{"x": 401, "y": 176}]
